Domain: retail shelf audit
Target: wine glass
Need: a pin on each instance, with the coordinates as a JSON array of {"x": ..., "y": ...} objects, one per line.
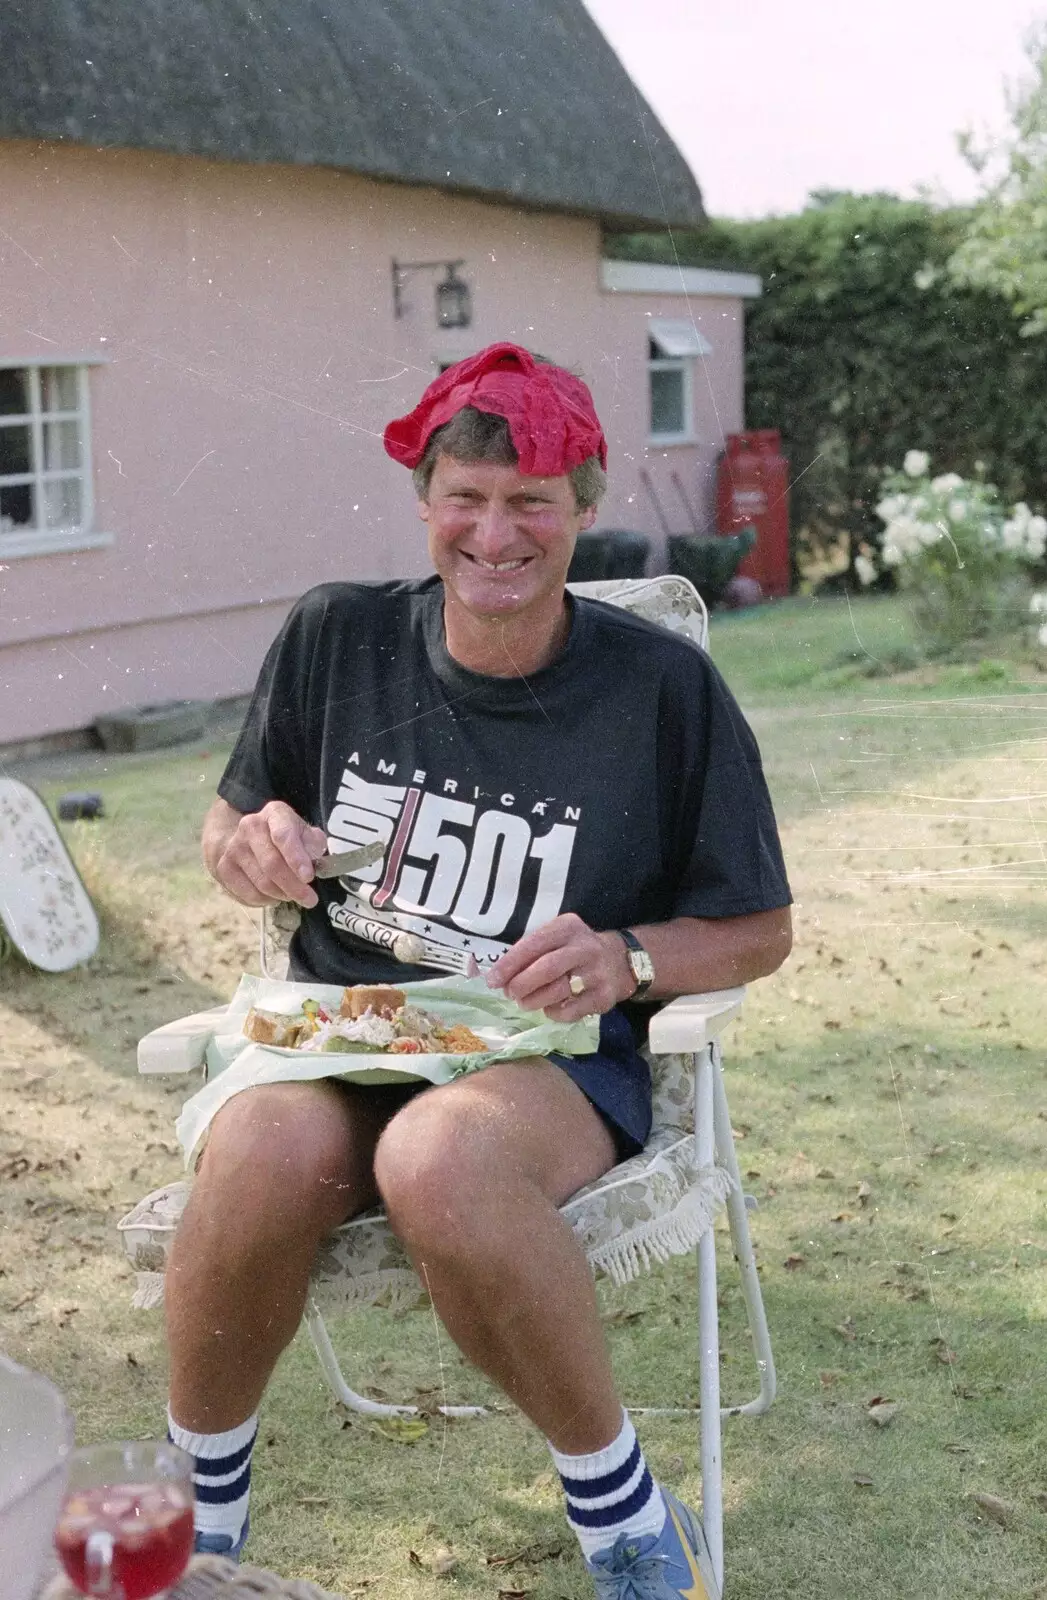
[{"x": 125, "y": 1531}]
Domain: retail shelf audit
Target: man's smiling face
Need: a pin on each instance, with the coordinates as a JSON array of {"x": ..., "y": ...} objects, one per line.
[{"x": 501, "y": 542}]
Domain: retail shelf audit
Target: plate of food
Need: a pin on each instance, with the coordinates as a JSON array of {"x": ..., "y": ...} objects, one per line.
[
  {"x": 370, "y": 1019},
  {"x": 431, "y": 1031}
]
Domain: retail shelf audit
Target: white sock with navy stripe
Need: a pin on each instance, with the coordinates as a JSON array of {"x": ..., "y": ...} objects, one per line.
[
  {"x": 610, "y": 1492},
  {"x": 222, "y": 1475}
]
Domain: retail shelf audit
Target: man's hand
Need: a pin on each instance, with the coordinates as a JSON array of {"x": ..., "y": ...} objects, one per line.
[
  {"x": 536, "y": 971},
  {"x": 691, "y": 955},
  {"x": 261, "y": 857}
]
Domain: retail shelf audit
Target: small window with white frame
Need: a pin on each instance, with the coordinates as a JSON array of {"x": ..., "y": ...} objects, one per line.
[
  {"x": 45, "y": 460},
  {"x": 672, "y": 347}
]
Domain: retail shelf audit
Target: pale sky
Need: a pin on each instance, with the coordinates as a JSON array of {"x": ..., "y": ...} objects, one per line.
[{"x": 769, "y": 99}]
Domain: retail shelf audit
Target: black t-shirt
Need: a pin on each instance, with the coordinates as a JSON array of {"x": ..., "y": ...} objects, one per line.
[{"x": 621, "y": 783}]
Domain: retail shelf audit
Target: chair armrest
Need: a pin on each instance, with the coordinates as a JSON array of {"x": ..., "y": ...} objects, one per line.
[
  {"x": 692, "y": 1021},
  {"x": 179, "y": 1046}
]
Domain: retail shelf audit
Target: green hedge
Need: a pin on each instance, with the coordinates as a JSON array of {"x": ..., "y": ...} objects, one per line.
[{"x": 856, "y": 363}]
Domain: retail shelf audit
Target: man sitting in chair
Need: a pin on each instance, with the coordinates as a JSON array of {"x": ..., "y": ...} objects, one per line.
[{"x": 571, "y": 799}]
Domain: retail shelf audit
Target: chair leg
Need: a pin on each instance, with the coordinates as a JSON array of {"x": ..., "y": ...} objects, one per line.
[
  {"x": 357, "y": 1402},
  {"x": 710, "y": 1435},
  {"x": 741, "y": 1241},
  {"x": 709, "y": 1410}
]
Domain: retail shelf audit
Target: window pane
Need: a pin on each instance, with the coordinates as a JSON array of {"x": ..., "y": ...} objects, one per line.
[
  {"x": 58, "y": 389},
  {"x": 61, "y": 445},
  {"x": 14, "y": 391},
  {"x": 16, "y": 506},
  {"x": 62, "y": 503},
  {"x": 667, "y": 408},
  {"x": 15, "y": 449}
]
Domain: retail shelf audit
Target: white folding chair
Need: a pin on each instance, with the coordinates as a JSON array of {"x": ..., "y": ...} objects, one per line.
[{"x": 658, "y": 1204}]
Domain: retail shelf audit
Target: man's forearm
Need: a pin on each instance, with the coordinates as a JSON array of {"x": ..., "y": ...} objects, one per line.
[{"x": 694, "y": 955}]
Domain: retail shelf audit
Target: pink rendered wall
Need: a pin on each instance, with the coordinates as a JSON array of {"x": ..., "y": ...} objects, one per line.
[{"x": 251, "y": 359}]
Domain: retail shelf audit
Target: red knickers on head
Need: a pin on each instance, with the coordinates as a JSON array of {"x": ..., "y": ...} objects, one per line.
[{"x": 552, "y": 423}]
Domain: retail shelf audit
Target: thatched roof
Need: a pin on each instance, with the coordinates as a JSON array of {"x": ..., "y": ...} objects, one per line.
[{"x": 522, "y": 99}]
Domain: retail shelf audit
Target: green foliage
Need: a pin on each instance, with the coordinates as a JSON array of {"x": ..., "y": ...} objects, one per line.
[
  {"x": 862, "y": 347},
  {"x": 1005, "y": 248}
]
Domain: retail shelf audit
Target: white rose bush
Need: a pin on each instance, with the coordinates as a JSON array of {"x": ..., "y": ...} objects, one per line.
[{"x": 962, "y": 558}]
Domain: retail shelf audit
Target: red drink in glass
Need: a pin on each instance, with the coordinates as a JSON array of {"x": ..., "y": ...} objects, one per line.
[{"x": 143, "y": 1533}]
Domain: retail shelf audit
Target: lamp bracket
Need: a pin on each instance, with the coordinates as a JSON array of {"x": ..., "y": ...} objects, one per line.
[{"x": 402, "y": 270}]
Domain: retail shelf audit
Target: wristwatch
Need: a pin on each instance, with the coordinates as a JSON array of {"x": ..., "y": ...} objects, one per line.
[{"x": 640, "y": 962}]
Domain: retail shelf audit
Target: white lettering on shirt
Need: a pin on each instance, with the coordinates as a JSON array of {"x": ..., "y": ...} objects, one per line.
[
  {"x": 363, "y": 813},
  {"x": 444, "y": 852}
]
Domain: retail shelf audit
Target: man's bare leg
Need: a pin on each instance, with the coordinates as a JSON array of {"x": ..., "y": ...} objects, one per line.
[
  {"x": 285, "y": 1164},
  {"x": 472, "y": 1174}
]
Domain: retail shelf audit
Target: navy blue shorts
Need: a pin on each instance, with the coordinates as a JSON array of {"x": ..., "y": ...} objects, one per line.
[{"x": 617, "y": 1081}]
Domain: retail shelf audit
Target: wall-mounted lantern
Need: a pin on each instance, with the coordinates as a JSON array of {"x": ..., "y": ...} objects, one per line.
[{"x": 453, "y": 299}]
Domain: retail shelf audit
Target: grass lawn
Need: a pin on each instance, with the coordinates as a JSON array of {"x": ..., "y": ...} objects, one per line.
[{"x": 889, "y": 1087}]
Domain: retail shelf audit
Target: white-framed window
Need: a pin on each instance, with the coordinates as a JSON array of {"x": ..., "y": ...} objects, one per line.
[
  {"x": 46, "y": 501},
  {"x": 672, "y": 347}
]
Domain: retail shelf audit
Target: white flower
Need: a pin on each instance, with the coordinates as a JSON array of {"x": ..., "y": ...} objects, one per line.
[
  {"x": 916, "y": 463},
  {"x": 1038, "y": 603},
  {"x": 1024, "y": 534},
  {"x": 946, "y": 484},
  {"x": 866, "y": 571},
  {"x": 957, "y": 510},
  {"x": 1041, "y": 634},
  {"x": 893, "y": 505},
  {"x": 906, "y": 536}
]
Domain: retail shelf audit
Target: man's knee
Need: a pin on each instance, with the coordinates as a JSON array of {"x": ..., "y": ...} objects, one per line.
[
  {"x": 281, "y": 1151},
  {"x": 434, "y": 1165}
]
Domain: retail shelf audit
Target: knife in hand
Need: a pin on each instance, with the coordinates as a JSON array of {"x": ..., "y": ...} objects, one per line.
[{"x": 349, "y": 860}]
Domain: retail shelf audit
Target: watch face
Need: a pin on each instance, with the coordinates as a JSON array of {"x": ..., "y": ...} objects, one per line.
[{"x": 642, "y": 965}]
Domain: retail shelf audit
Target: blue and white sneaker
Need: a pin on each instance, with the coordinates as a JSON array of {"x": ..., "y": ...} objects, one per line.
[
  {"x": 222, "y": 1544},
  {"x": 671, "y": 1565}
]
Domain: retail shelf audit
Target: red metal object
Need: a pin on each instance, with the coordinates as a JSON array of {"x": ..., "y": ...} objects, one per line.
[{"x": 752, "y": 489}]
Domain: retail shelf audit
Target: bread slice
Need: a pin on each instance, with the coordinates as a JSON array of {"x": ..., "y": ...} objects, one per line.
[
  {"x": 383, "y": 999},
  {"x": 272, "y": 1027}
]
